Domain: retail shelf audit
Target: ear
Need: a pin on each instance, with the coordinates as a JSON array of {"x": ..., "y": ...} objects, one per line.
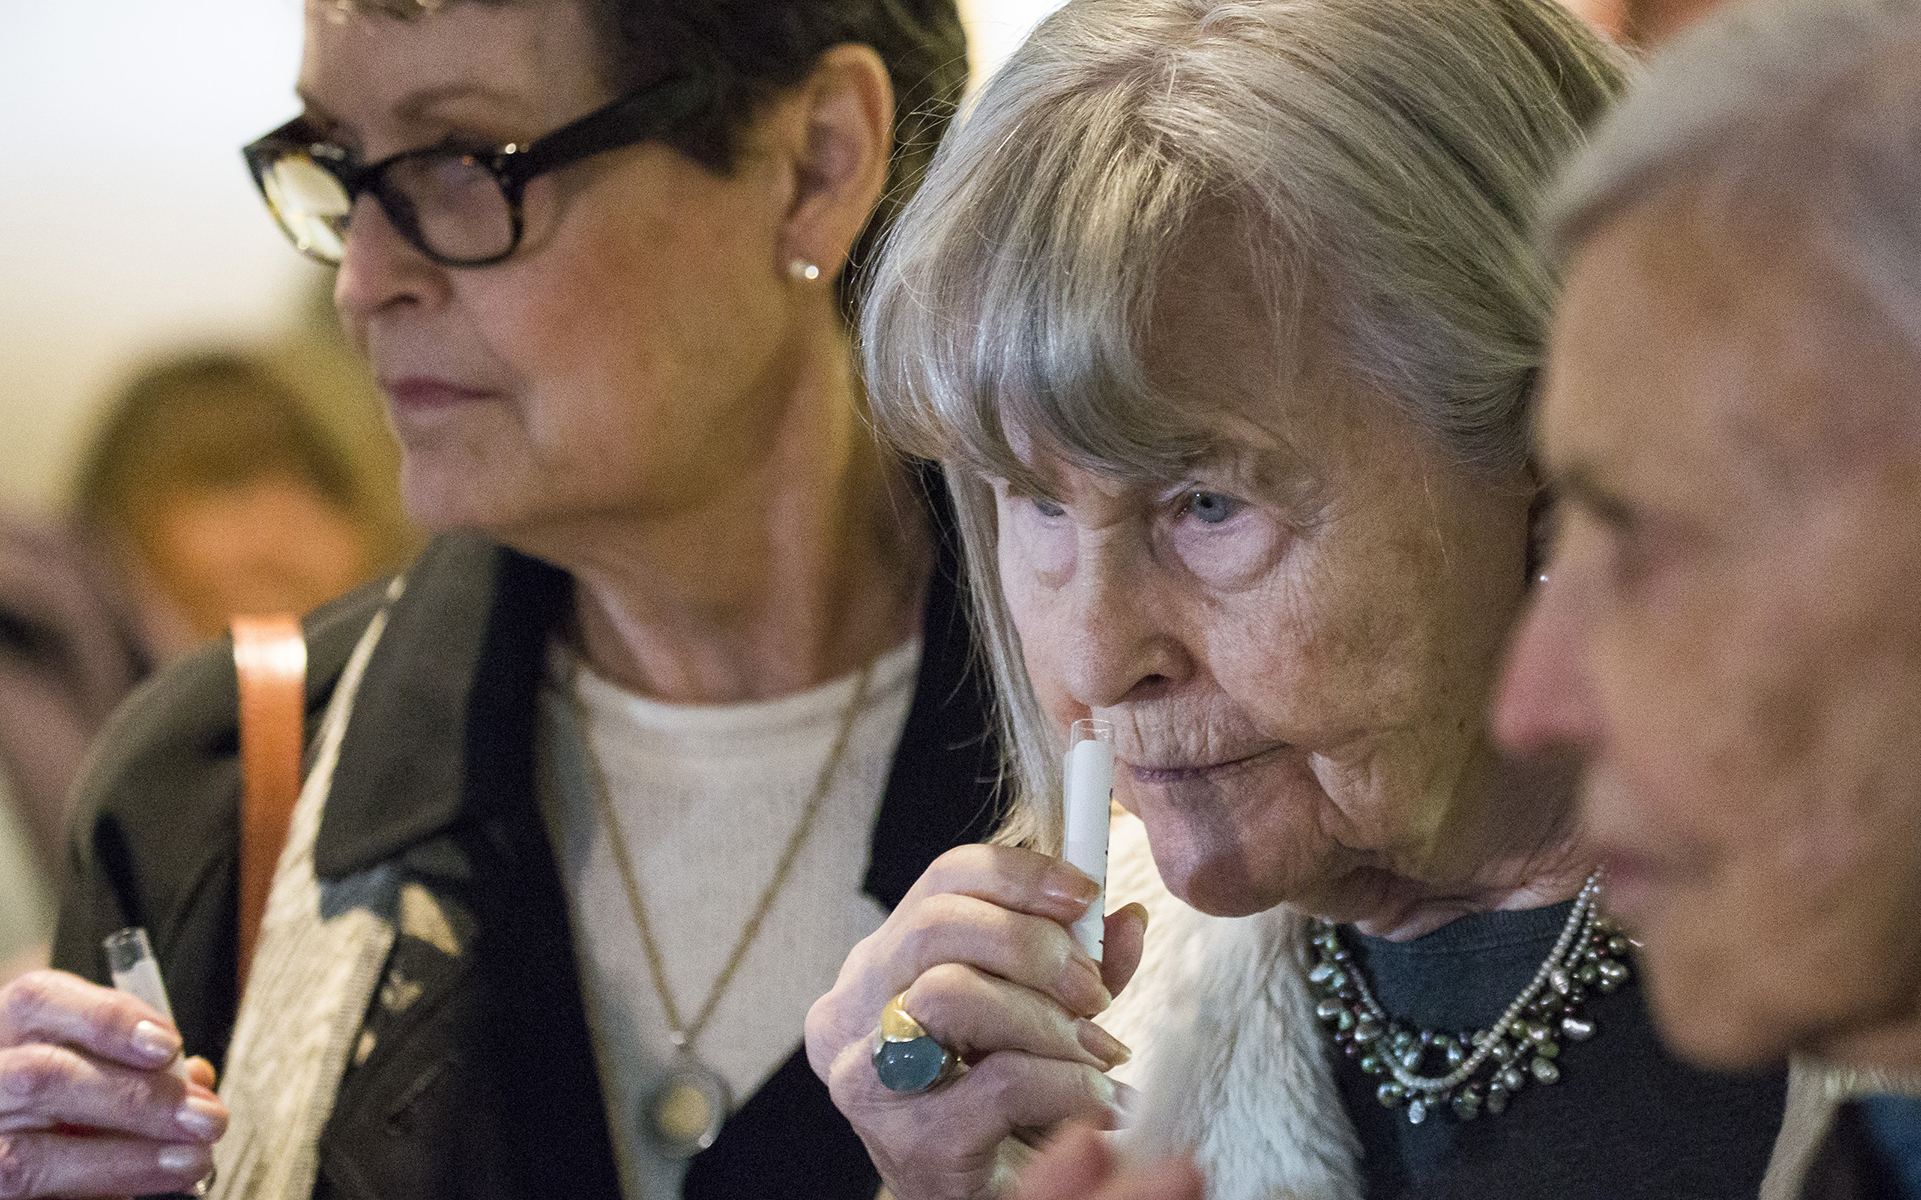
[{"x": 841, "y": 141}]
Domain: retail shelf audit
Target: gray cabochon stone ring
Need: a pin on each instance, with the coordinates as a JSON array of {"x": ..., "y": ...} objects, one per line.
[{"x": 906, "y": 1057}]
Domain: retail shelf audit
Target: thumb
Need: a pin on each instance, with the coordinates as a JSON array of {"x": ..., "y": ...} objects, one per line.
[{"x": 1124, "y": 939}]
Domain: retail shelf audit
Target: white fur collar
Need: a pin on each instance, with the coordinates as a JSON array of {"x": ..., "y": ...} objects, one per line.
[{"x": 1229, "y": 1059}]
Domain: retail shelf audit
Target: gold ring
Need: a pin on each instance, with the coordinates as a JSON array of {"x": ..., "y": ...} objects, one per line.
[{"x": 906, "y": 1056}]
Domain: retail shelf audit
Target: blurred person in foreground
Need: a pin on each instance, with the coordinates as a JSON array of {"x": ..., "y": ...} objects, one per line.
[
  {"x": 606, "y": 785},
  {"x": 218, "y": 495},
  {"x": 1225, "y": 318},
  {"x": 1730, "y": 633}
]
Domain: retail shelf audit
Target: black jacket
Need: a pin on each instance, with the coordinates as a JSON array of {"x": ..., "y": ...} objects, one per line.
[{"x": 486, "y": 1087}]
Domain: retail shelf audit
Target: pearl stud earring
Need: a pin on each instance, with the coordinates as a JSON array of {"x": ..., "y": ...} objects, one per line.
[{"x": 803, "y": 271}]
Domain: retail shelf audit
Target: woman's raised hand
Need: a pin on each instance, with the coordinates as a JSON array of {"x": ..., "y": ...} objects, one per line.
[
  {"x": 87, "y": 1104},
  {"x": 980, "y": 952}
]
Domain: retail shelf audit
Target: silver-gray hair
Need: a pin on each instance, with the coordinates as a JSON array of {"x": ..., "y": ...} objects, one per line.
[
  {"x": 1808, "y": 110},
  {"x": 1379, "y": 162}
]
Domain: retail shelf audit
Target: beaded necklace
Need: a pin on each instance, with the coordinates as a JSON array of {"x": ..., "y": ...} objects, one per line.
[{"x": 1523, "y": 1044}]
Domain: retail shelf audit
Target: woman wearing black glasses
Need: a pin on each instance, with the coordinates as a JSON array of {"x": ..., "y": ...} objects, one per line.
[{"x": 602, "y": 790}]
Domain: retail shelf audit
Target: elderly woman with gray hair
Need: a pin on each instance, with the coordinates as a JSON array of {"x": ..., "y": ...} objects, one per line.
[{"x": 1225, "y": 317}]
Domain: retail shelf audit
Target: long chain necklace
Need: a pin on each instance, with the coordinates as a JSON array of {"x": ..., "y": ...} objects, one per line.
[
  {"x": 684, "y": 1114},
  {"x": 1523, "y": 1044}
]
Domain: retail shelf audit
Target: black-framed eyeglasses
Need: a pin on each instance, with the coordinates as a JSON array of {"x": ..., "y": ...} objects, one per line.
[{"x": 458, "y": 206}]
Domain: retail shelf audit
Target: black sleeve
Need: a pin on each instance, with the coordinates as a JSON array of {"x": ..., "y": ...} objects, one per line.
[{"x": 154, "y": 843}]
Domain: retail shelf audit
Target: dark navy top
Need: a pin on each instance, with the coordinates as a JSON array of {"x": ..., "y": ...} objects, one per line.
[
  {"x": 1893, "y": 1128},
  {"x": 1625, "y": 1122}
]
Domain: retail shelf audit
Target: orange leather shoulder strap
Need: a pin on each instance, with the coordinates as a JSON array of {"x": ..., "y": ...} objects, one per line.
[{"x": 270, "y": 659}]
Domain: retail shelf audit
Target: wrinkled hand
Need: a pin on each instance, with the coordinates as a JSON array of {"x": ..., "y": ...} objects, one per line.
[
  {"x": 981, "y": 948},
  {"x": 1078, "y": 1165},
  {"x": 87, "y": 1105}
]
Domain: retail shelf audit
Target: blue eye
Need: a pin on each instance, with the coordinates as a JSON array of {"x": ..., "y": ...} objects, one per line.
[
  {"x": 1048, "y": 508},
  {"x": 1211, "y": 508}
]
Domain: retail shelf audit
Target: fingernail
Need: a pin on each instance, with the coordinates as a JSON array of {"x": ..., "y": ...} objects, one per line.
[
  {"x": 1128, "y": 1098},
  {"x": 1140, "y": 908},
  {"x": 1102, "y": 1044},
  {"x": 156, "y": 1042},
  {"x": 202, "y": 1118},
  {"x": 180, "y": 1159},
  {"x": 1081, "y": 986},
  {"x": 1069, "y": 886}
]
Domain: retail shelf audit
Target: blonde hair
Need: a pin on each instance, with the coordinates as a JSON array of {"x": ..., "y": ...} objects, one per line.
[{"x": 1381, "y": 155}]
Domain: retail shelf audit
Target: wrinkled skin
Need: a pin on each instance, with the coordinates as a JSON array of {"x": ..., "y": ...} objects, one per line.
[
  {"x": 1729, "y": 636},
  {"x": 1295, "y": 644},
  {"x": 573, "y": 401},
  {"x": 87, "y": 1105},
  {"x": 980, "y": 953},
  {"x": 619, "y": 351}
]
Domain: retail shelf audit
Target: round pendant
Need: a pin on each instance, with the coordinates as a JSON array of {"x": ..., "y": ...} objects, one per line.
[{"x": 685, "y": 1113}]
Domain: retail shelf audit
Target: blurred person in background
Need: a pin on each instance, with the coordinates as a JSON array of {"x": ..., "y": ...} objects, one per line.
[
  {"x": 218, "y": 494},
  {"x": 1729, "y": 636},
  {"x": 26, "y": 899},
  {"x": 209, "y": 491},
  {"x": 70, "y": 651},
  {"x": 1642, "y": 24},
  {"x": 673, "y": 711}
]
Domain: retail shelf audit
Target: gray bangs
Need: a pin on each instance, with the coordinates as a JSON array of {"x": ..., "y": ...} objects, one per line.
[
  {"x": 1015, "y": 296},
  {"x": 1379, "y": 160}
]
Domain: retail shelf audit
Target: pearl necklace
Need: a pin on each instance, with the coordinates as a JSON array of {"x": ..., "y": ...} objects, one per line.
[{"x": 1586, "y": 955}]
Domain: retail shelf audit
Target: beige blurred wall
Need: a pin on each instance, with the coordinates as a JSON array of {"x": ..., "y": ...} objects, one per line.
[
  {"x": 995, "y": 27},
  {"x": 129, "y": 228},
  {"x": 128, "y": 222}
]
